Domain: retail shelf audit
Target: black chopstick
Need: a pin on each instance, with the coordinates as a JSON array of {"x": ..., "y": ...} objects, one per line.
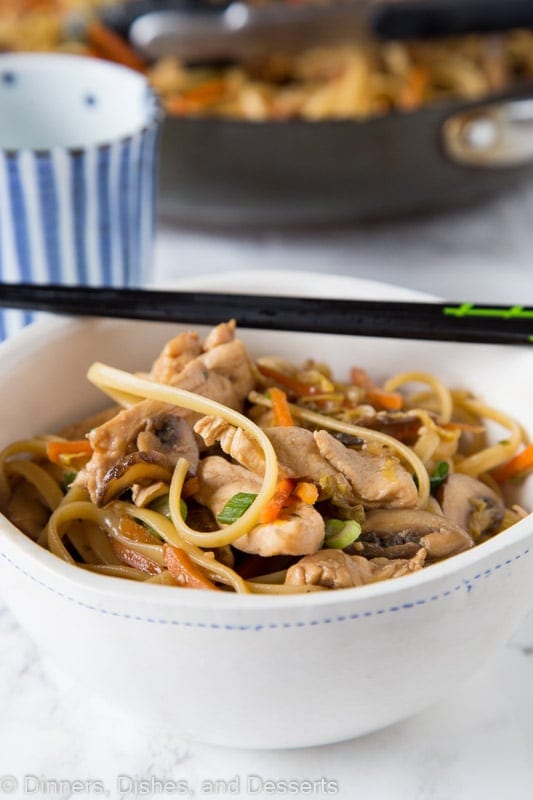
[{"x": 458, "y": 322}]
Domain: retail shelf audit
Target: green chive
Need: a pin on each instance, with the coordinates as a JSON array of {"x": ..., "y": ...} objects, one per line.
[
  {"x": 341, "y": 533},
  {"x": 161, "y": 505},
  {"x": 68, "y": 480},
  {"x": 235, "y": 508},
  {"x": 439, "y": 475}
]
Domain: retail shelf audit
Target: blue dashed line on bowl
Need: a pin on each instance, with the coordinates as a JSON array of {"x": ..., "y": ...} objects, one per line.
[{"x": 467, "y": 584}]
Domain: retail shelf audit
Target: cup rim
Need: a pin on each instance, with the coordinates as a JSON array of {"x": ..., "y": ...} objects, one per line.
[{"x": 154, "y": 116}]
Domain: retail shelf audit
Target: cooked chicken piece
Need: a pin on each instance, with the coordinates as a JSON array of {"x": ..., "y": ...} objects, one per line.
[
  {"x": 233, "y": 441},
  {"x": 184, "y": 348},
  {"x": 110, "y": 442},
  {"x": 295, "y": 447},
  {"x": 397, "y": 533},
  {"x": 335, "y": 569},
  {"x": 154, "y": 429},
  {"x": 231, "y": 361},
  {"x": 220, "y": 480},
  {"x": 299, "y": 530},
  {"x": 222, "y": 373},
  {"x": 300, "y": 457},
  {"x": 119, "y": 438},
  {"x": 221, "y": 334},
  {"x": 471, "y": 504},
  {"x": 174, "y": 356},
  {"x": 377, "y": 480}
]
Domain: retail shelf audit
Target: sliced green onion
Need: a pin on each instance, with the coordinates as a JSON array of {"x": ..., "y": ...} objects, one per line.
[
  {"x": 235, "y": 507},
  {"x": 341, "y": 533},
  {"x": 68, "y": 479},
  {"x": 160, "y": 504},
  {"x": 439, "y": 475}
]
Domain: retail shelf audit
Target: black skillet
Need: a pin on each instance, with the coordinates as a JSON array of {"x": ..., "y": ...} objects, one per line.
[{"x": 232, "y": 173}]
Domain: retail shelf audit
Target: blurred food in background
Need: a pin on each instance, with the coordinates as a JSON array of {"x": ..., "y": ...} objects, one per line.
[
  {"x": 344, "y": 82},
  {"x": 360, "y": 81},
  {"x": 67, "y": 26}
]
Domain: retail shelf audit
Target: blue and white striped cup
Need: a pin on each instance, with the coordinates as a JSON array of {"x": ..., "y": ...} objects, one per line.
[{"x": 78, "y": 166}]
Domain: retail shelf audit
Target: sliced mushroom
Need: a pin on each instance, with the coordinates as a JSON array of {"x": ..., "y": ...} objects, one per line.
[
  {"x": 400, "y": 424},
  {"x": 471, "y": 504},
  {"x": 394, "y": 533},
  {"x": 173, "y": 437},
  {"x": 136, "y": 468},
  {"x": 26, "y": 509}
]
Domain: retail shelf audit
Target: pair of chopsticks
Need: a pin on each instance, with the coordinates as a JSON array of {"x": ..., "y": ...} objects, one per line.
[{"x": 457, "y": 322}]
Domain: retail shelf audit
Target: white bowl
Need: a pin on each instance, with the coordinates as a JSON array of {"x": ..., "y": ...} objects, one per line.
[{"x": 255, "y": 671}]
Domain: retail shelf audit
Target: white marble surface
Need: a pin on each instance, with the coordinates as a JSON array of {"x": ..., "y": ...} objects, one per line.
[{"x": 474, "y": 746}]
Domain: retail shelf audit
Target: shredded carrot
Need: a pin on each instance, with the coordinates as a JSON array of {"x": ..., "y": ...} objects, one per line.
[
  {"x": 184, "y": 570},
  {"x": 207, "y": 92},
  {"x": 299, "y": 388},
  {"x": 306, "y": 492},
  {"x": 134, "y": 531},
  {"x": 390, "y": 401},
  {"x": 196, "y": 98},
  {"x": 134, "y": 559},
  {"x": 467, "y": 427},
  {"x": 112, "y": 46},
  {"x": 412, "y": 94},
  {"x": 179, "y": 106},
  {"x": 522, "y": 462},
  {"x": 280, "y": 407},
  {"x": 55, "y": 451},
  {"x": 279, "y": 501}
]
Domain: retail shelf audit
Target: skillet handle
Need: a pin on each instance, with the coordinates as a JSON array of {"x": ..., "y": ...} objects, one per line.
[
  {"x": 122, "y": 15},
  {"x": 425, "y": 19},
  {"x": 493, "y": 135}
]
